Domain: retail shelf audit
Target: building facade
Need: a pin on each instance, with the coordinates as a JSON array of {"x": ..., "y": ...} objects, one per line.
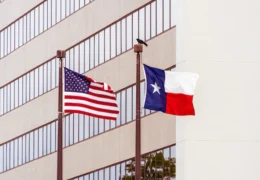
[
  {"x": 98, "y": 37},
  {"x": 219, "y": 40}
]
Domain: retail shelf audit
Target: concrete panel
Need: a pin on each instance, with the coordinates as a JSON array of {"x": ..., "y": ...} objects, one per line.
[
  {"x": 119, "y": 73},
  {"x": 63, "y": 35},
  {"x": 219, "y": 31},
  {"x": 10, "y": 10},
  {"x": 206, "y": 160},
  {"x": 41, "y": 169},
  {"x": 118, "y": 145},
  {"x": 220, "y": 41}
]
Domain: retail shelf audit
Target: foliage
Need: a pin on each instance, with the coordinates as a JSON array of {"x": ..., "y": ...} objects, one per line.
[{"x": 153, "y": 166}]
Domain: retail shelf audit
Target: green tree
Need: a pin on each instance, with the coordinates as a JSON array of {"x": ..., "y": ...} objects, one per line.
[{"x": 154, "y": 166}]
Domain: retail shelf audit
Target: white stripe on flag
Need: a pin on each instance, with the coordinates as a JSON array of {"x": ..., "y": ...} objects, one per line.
[
  {"x": 180, "y": 82},
  {"x": 96, "y": 84},
  {"x": 101, "y": 92}
]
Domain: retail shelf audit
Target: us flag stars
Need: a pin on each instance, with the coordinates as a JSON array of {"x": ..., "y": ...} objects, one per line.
[{"x": 76, "y": 82}]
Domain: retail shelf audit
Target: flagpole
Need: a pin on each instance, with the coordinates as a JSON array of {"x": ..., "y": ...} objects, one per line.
[
  {"x": 138, "y": 48},
  {"x": 60, "y": 55}
]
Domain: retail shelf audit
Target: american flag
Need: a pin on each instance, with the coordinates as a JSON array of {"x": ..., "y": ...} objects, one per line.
[{"x": 85, "y": 96}]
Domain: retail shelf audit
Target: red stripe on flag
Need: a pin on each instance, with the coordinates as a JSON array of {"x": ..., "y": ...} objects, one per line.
[
  {"x": 90, "y": 100},
  {"x": 92, "y": 107},
  {"x": 90, "y": 114}
]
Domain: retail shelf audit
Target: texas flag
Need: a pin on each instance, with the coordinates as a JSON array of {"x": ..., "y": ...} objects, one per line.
[{"x": 170, "y": 92}]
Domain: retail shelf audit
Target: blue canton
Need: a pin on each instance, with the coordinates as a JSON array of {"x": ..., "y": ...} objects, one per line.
[
  {"x": 155, "y": 92},
  {"x": 75, "y": 82}
]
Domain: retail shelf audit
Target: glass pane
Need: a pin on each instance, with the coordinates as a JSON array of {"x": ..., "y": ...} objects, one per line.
[
  {"x": 91, "y": 125},
  {"x": 53, "y": 73},
  {"x": 58, "y": 10},
  {"x": 166, "y": 15},
  {"x": 81, "y": 127},
  {"x": 76, "y": 58},
  {"x": 123, "y": 107},
  {"x": 12, "y": 98},
  {"x": 136, "y": 31},
  {"x": 159, "y": 17},
  {"x": 101, "y": 174},
  {"x": 67, "y": 135},
  {"x": 129, "y": 105},
  {"x": 1, "y": 102},
  {"x": 81, "y": 58},
  {"x": 31, "y": 140},
  {"x": 32, "y": 84},
  {"x": 142, "y": 24},
  {"x": 41, "y": 82},
  {"x": 123, "y": 32},
  {"x": 41, "y": 142},
  {"x": 36, "y": 82},
  {"x": 118, "y": 38},
  {"x": 32, "y": 24},
  {"x": 113, "y": 41},
  {"x": 107, "y": 44},
  {"x": 36, "y": 144},
  {"x": 71, "y": 130},
  {"x": 173, "y": 12},
  {"x": 41, "y": 18},
  {"x": 129, "y": 31},
  {"x": 53, "y": 137},
  {"x": 87, "y": 127},
  {"x": 101, "y": 47},
  {"x": 96, "y": 50},
  {"x": 118, "y": 100},
  {"x": 36, "y": 25},
  {"x": 76, "y": 128},
  {"x": 87, "y": 55},
  {"x": 101, "y": 125},
  {"x": 153, "y": 19}
]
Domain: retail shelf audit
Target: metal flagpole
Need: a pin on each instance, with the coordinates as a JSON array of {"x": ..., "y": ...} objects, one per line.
[
  {"x": 60, "y": 55},
  {"x": 138, "y": 48}
]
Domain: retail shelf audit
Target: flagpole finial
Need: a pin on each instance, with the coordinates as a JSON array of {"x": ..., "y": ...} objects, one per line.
[
  {"x": 60, "y": 54},
  {"x": 138, "y": 48}
]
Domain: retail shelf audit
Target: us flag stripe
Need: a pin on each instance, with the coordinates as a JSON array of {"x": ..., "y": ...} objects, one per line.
[
  {"x": 91, "y": 107},
  {"x": 102, "y": 92},
  {"x": 96, "y": 104},
  {"x": 102, "y": 96},
  {"x": 89, "y": 96}
]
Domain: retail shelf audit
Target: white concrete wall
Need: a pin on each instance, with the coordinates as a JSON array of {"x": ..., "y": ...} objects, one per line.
[
  {"x": 64, "y": 35},
  {"x": 220, "y": 40},
  {"x": 36, "y": 113},
  {"x": 10, "y": 10}
]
